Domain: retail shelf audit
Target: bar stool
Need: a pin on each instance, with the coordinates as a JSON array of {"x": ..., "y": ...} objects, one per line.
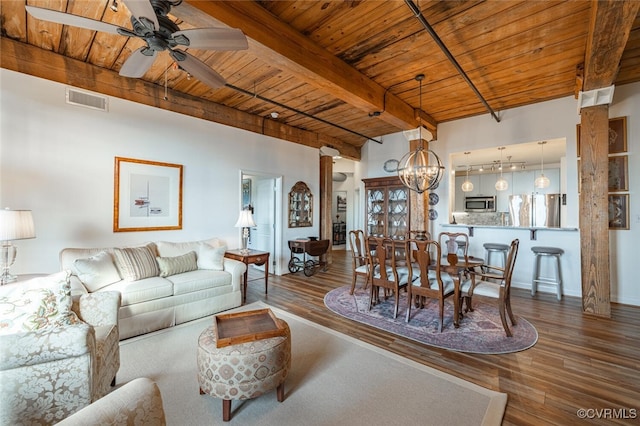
[
  {"x": 495, "y": 248},
  {"x": 541, "y": 252}
]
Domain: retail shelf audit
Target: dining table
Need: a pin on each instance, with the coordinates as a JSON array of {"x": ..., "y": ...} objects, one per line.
[{"x": 456, "y": 266}]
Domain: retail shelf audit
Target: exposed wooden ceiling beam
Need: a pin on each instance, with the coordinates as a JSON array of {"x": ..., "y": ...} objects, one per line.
[
  {"x": 288, "y": 49},
  {"x": 27, "y": 59},
  {"x": 605, "y": 45}
]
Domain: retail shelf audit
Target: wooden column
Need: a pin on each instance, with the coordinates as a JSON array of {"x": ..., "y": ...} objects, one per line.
[
  {"x": 594, "y": 218},
  {"x": 419, "y": 202},
  {"x": 602, "y": 58},
  {"x": 326, "y": 206}
]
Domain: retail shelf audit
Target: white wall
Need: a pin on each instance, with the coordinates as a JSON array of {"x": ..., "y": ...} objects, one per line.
[
  {"x": 58, "y": 161},
  {"x": 546, "y": 120}
]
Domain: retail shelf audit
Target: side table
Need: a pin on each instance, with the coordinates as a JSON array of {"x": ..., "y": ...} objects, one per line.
[{"x": 255, "y": 257}]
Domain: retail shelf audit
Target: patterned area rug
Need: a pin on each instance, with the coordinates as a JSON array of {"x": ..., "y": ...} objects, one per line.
[{"x": 480, "y": 331}]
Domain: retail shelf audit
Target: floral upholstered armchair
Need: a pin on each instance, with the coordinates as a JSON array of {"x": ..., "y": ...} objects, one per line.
[{"x": 57, "y": 354}]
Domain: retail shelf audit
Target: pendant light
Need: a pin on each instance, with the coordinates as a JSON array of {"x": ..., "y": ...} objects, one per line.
[
  {"x": 467, "y": 185},
  {"x": 420, "y": 170},
  {"x": 542, "y": 181},
  {"x": 501, "y": 184}
]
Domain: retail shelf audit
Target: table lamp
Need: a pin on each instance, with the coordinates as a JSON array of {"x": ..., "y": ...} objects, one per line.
[
  {"x": 245, "y": 221},
  {"x": 14, "y": 225}
]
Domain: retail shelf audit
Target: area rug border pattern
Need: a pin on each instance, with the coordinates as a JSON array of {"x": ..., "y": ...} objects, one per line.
[{"x": 415, "y": 332}]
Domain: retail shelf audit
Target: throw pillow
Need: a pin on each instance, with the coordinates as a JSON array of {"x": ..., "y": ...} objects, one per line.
[
  {"x": 178, "y": 264},
  {"x": 36, "y": 304},
  {"x": 96, "y": 271},
  {"x": 211, "y": 257},
  {"x": 136, "y": 263}
]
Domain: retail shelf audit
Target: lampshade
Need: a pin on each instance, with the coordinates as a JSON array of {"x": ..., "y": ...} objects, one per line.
[
  {"x": 542, "y": 182},
  {"x": 502, "y": 184},
  {"x": 16, "y": 225},
  {"x": 245, "y": 220}
]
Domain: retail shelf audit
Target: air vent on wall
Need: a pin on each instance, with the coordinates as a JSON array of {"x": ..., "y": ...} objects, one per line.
[{"x": 88, "y": 100}]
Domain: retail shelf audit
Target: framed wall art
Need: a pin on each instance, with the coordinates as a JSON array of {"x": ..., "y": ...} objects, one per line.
[
  {"x": 618, "y": 211},
  {"x": 147, "y": 195},
  {"x": 246, "y": 193},
  {"x": 618, "y": 173},
  {"x": 617, "y": 136}
]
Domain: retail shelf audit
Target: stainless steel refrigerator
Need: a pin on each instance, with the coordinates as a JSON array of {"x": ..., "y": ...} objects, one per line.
[{"x": 535, "y": 210}]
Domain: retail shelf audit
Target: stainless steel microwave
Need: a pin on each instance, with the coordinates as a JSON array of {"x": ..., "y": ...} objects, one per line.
[{"x": 480, "y": 204}]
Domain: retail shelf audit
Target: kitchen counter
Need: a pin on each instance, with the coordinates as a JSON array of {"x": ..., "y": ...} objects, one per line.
[{"x": 532, "y": 230}]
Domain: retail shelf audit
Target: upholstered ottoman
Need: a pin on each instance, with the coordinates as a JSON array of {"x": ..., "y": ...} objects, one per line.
[{"x": 245, "y": 370}]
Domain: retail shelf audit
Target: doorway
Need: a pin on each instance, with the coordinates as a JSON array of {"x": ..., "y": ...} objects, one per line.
[{"x": 260, "y": 192}]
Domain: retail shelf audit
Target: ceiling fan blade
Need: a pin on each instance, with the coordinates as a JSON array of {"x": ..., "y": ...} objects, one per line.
[
  {"x": 213, "y": 38},
  {"x": 143, "y": 9},
  {"x": 198, "y": 69},
  {"x": 69, "y": 19},
  {"x": 138, "y": 63}
]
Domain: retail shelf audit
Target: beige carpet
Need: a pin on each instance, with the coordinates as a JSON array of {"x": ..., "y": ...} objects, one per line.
[{"x": 334, "y": 380}]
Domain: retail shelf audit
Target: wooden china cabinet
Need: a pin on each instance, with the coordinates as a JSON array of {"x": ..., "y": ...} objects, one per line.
[{"x": 387, "y": 209}]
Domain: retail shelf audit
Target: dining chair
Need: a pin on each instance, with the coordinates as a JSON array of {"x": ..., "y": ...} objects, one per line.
[
  {"x": 426, "y": 257},
  {"x": 386, "y": 272},
  {"x": 495, "y": 285},
  {"x": 455, "y": 244},
  {"x": 360, "y": 260}
]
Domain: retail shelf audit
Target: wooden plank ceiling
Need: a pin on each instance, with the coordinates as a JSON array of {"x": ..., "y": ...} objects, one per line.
[{"x": 338, "y": 73}]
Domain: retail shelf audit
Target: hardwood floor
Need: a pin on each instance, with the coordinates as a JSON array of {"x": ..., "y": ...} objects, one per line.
[{"x": 580, "y": 362}]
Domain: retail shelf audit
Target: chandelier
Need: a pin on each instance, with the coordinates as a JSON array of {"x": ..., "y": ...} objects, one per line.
[{"x": 420, "y": 170}]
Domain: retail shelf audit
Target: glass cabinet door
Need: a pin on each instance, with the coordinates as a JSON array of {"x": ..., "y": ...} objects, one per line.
[
  {"x": 376, "y": 212},
  {"x": 387, "y": 213},
  {"x": 397, "y": 213}
]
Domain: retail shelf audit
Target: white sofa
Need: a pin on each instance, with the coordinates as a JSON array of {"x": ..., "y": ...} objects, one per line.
[{"x": 161, "y": 283}]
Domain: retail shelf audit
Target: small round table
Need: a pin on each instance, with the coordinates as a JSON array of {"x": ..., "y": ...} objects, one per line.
[{"x": 245, "y": 370}]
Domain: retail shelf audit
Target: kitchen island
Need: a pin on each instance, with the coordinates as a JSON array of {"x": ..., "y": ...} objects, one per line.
[{"x": 567, "y": 239}]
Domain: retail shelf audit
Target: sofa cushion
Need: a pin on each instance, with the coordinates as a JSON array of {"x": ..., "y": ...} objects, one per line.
[
  {"x": 136, "y": 263},
  {"x": 211, "y": 257},
  {"x": 170, "y": 249},
  {"x": 200, "y": 279},
  {"x": 177, "y": 264},
  {"x": 36, "y": 304},
  {"x": 133, "y": 292},
  {"x": 96, "y": 271}
]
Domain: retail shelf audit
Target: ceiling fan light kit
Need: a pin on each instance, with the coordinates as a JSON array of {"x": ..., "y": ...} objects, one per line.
[{"x": 150, "y": 23}]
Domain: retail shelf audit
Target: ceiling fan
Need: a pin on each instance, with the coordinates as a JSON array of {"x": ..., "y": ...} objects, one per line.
[{"x": 150, "y": 23}]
